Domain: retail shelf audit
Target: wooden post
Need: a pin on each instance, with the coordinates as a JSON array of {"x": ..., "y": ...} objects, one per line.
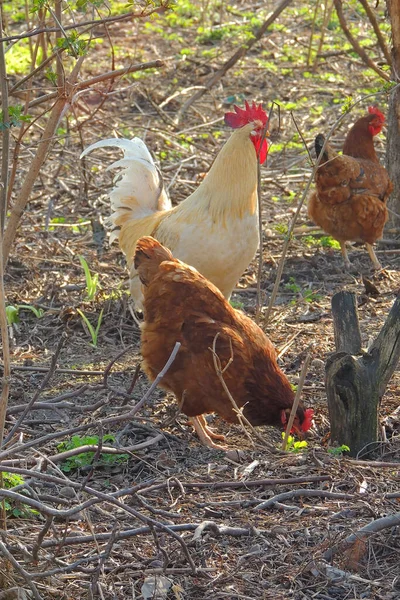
[{"x": 355, "y": 380}]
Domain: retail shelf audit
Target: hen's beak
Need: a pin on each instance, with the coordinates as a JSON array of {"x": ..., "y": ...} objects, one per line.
[{"x": 298, "y": 432}]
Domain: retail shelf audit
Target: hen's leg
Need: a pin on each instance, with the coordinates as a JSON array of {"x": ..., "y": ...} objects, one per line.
[
  {"x": 345, "y": 255},
  {"x": 203, "y": 435},
  {"x": 211, "y": 433},
  {"x": 373, "y": 257}
]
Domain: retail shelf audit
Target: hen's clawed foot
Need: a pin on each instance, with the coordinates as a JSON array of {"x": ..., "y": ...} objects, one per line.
[{"x": 205, "y": 433}]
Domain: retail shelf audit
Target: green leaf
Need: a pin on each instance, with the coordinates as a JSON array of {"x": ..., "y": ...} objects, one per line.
[
  {"x": 38, "y": 312},
  {"x": 92, "y": 281},
  {"x": 94, "y": 332},
  {"x": 12, "y": 315},
  {"x": 15, "y": 117}
]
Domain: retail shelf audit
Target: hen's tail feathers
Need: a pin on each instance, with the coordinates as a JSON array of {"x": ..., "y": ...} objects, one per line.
[
  {"x": 319, "y": 142},
  {"x": 138, "y": 187},
  {"x": 149, "y": 255}
]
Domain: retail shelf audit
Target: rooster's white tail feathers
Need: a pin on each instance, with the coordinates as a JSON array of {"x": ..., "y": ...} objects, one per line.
[{"x": 138, "y": 188}]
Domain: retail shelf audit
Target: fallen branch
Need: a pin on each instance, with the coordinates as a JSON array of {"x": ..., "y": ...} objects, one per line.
[
  {"x": 128, "y": 416},
  {"x": 24, "y": 574},
  {"x": 128, "y": 533},
  {"x": 303, "y": 492},
  {"x": 239, "y": 484},
  {"x": 49, "y": 375},
  {"x": 56, "y": 458},
  {"x": 363, "y": 534}
]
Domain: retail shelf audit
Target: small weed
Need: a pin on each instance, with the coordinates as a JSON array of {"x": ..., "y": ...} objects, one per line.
[
  {"x": 85, "y": 459},
  {"x": 94, "y": 332},
  {"x": 12, "y": 315},
  {"x": 310, "y": 296},
  {"x": 293, "y": 446},
  {"x": 13, "y": 507},
  {"x": 92, "y": 281},
  {"x": 281, "y": 228},
  {"x": 306, "y": 294},
  {"x": 292, "y": 286},
  {"x": 236, "y": 304},
  {"x": 326, "y": 241},
  {"x": 339, "y": 450},
  {"x": 12, "y": 312}
]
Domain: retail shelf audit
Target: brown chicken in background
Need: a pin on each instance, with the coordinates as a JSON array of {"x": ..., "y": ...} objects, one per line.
[
  {"x": 180, "y": 305},
  {"x": 352, "y": 189}
]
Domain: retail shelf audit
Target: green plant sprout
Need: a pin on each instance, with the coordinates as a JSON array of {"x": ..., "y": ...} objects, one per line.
[
  {"x": 92, "y": 281},
  {"x": 12, "y": 312},
  {"x": 13, "y": 507},
  {"x": 236, "y": 304},
  {"x": 339, "y": 450},
  {"x": 12, "y": 315},
  {"x": 85, "y": 459},
  {"x": 292, "y": 286},
  {"x": 310, "y": 296},
  {"x": 293, "y": 446},
  {"x": 307, "y": 295},
  {"x": 326, "y": 241},
  {"x": 94, "y": 332},
  {"x": 280, "y": 227}
]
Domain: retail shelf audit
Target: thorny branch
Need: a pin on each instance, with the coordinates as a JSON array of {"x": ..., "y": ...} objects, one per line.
[{"x": 364, "y": 533}]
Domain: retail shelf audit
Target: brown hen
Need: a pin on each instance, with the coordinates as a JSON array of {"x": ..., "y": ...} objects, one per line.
[
  {"x": 352, "y": 189},
  {"x": 180, "y": 305}
]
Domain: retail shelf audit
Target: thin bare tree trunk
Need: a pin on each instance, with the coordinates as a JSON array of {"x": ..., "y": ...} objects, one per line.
[
  {"x": 5, "y": 388},
  {"x": 393, "y": 134}
]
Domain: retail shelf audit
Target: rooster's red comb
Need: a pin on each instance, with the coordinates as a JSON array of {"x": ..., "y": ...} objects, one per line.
[
  {"x": 248, "y": 114},
  {"x": 373, "y": 110},
  {"x": 308, "y": 417}
]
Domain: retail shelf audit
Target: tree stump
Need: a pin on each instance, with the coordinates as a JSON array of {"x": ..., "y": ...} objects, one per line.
[{"x": 356, "y": 380}]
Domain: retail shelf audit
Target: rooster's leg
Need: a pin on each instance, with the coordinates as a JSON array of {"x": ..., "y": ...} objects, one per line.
[
  {"x": 373, "y": 257},
  {"x": 345, "y": 256},
  {"x": 203, "y": 434}
]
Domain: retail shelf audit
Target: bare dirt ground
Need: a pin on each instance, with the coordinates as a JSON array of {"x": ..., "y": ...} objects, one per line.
[{"x": 226, "y": 545}]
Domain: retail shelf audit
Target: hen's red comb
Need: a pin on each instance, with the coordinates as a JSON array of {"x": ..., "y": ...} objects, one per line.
[
  {"x": 308, "y": 417},
  {"x": 243, "y": 116},
  {"x": 373, "y": 110}
]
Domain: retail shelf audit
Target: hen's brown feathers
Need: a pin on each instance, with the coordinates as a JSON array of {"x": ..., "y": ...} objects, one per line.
[
  {"x": 349, "y": 202},
  {"x": 181, "y": 305}
]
